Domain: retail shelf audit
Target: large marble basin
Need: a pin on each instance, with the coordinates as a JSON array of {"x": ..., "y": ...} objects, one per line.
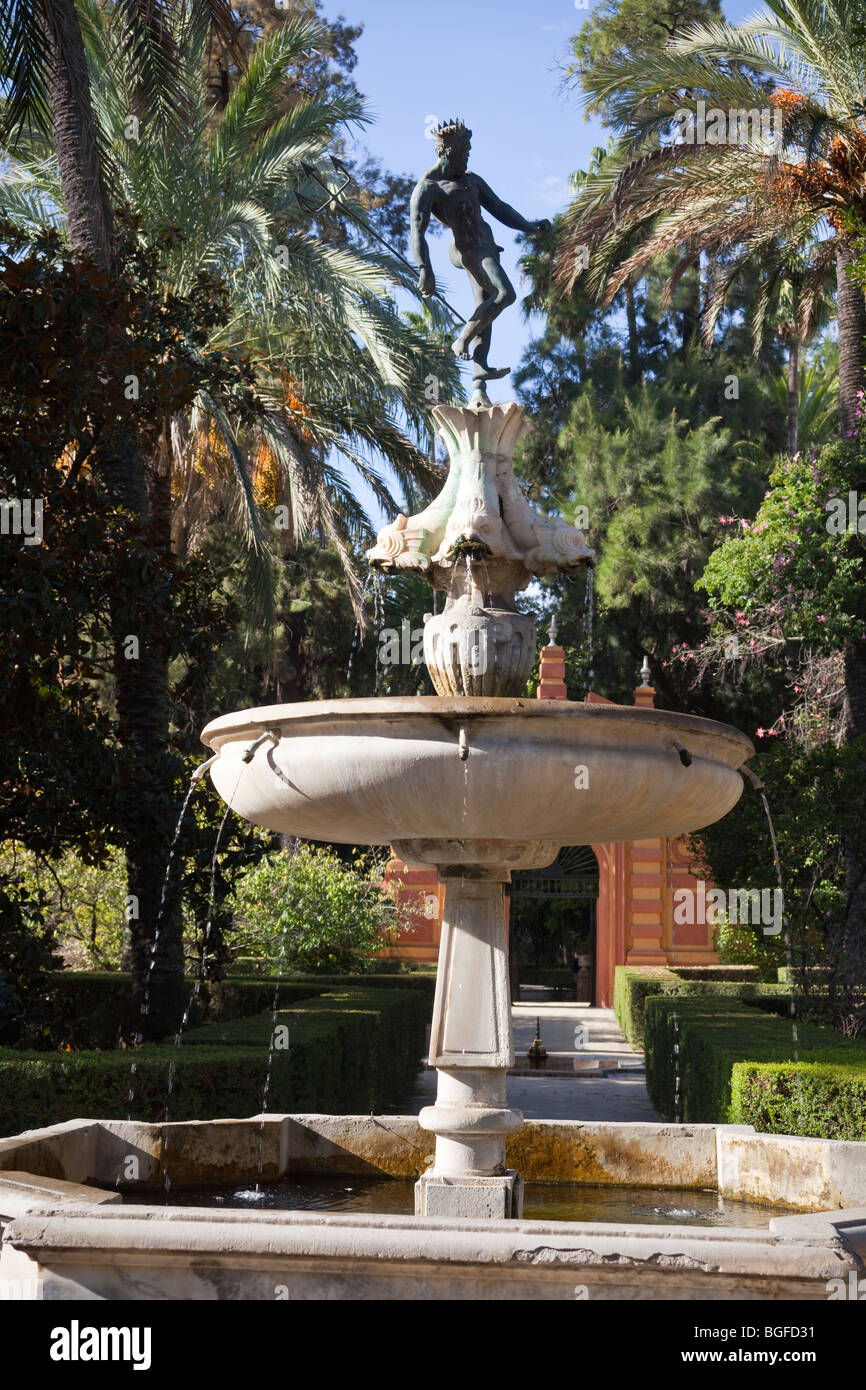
[{"x": 373, "y": 771}]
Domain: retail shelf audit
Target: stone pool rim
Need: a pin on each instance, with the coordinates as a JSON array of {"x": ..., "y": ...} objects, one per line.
[{"x": 83, "y": 1241}]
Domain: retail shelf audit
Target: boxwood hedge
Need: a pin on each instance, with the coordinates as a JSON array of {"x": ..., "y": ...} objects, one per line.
[
  {"x": 635, "y": 984},
  {"x": 736, "y": 1066},
  {"x": 349, "y": 1051}
]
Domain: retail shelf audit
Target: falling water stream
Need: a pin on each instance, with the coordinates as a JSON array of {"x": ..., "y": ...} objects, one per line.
[
  {"x": 178, "y": 1037},
  {"x": 379, "y": 595},
  {"x": 356, "y": 636},
  {"x": 786, "y": 930},
  {"x": 160, "y": 914},
  {"x": 274, "y": 1009}
]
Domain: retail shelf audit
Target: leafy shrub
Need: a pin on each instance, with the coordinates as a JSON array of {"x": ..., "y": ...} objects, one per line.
[
  {"x": 82, "y": 904},
  {"x": 27, "y": 954},
  {"x": 820, "y": 1098},
  {"x": 722, "y": 973},
  {"x": 311, "y": 913},
  {"x": 737, "y": 943}
]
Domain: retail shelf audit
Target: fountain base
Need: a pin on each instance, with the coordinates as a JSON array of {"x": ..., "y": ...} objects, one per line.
[{"x": 472, "y": 1198}]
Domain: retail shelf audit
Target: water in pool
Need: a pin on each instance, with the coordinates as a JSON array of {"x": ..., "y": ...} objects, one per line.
[{"x": 543, "y": 1201}]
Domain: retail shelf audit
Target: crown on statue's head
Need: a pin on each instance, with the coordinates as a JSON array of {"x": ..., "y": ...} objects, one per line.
[{"x": 450, "y": 133}]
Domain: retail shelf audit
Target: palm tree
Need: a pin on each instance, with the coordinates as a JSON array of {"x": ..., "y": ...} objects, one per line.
[
  {"x": 796, "y": 182},
  {"x": 47, "y": 105},
  {"x": 792, "y": 293},
  {"x": 339, "y": 375},
  {"x": 803, "y": 65},
  {"x": 339, "y": 372},
  {"x": 817, "y": 409},
  {"x": 44, "y": 70}
]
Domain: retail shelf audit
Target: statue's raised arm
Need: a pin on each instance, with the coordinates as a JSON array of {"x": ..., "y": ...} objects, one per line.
[{"x": 455, "y": 197}]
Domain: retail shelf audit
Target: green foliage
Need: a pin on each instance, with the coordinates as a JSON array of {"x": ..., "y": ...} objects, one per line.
[
  {"x": 715, "y": 1036},
  {"x": 68, "y": 338},
  {"x": 619, "y": 30},
  {"x": 339, "y": 372},
  {"x": 380, "y": 978},
  {"x": 350, "y": 1052},
  {"x": 653, "y": 486},
  {"x": 817, "y": 401},
  {"x": 311, "y": 912},
  {"x": 634, "y": 985},
  {"x": 738, "y": 943},
  {"x": 794, "y": 560},
  {"x": 817, "y": 805},
  {"x": 801, "y": 1098},
  {"x": 27, "y": 953},
  {"x": 82, "y": 904}
]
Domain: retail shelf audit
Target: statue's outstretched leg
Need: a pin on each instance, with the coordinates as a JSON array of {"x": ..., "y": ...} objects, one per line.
[
  {"x": 480, "y": 370},
  {"x": 493, "y": 291}
]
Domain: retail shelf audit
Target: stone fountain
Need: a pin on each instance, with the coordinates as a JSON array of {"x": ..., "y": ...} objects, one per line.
[{"x": 477, "y": 780}]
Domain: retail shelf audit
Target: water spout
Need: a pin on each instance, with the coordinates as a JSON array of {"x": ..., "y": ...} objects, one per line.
[
  {"x": 684, "y": 754},
  {"x": 249, "y": 753},
  {"x": 752, "y": 778},
  {"x": 463, "y": 746},
  {"x": 203, "y": 767}
]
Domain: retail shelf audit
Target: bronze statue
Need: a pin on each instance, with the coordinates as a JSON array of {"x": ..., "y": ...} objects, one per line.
[{"x": 455, "y": 197}]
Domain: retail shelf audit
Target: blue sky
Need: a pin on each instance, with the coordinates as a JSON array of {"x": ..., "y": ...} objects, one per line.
[{"x": 499, "y": 64}]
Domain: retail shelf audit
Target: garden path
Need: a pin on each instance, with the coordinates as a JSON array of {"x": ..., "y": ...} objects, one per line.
[{"x": 620, "y": 1094}]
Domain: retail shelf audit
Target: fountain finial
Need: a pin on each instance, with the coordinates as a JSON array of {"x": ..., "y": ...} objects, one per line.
[
  {"x": 480, "y": 541},
  {"x": 645, "y": 672},
  {"x": 552, "y": 632}
]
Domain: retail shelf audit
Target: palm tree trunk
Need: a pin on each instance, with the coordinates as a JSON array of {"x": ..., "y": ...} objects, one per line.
[
  {"x": 793, "y": 394},
  {"x": 141, "y": 673},
  {"x": 75, "y": 133},
  {"x": 851, "y": 318},
  {"x": 633, "y": 342},
  {"x": 148, "y": 769}
]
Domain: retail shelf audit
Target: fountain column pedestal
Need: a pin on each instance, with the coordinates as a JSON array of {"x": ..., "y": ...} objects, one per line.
[{"x": 471, "y": 1047}]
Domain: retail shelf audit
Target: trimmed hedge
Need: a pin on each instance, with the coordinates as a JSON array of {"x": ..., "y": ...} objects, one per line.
[
  {"x": 715, "y": 1035},
  {"x": 827, "y": 1099},
  {"x": 634, "y": 985},
  {"x": 348, "y": 1052},
  {"x": 412, "y": 980},
  {"x": 89, "y": 1005}
]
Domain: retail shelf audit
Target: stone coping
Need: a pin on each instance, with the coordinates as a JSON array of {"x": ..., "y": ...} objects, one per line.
[
  {"x": 240, "y": 724},
  {"x": 76, "y": 1251}
]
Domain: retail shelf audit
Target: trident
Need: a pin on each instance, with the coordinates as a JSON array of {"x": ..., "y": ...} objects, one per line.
[{"x": 334, "y": 199}]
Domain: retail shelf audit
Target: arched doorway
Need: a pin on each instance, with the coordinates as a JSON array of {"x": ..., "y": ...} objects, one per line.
[{"x": 552, "y": 914}]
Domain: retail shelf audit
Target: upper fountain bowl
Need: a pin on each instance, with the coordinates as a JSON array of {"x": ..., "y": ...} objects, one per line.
[{"x": 536, "y": 774}]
